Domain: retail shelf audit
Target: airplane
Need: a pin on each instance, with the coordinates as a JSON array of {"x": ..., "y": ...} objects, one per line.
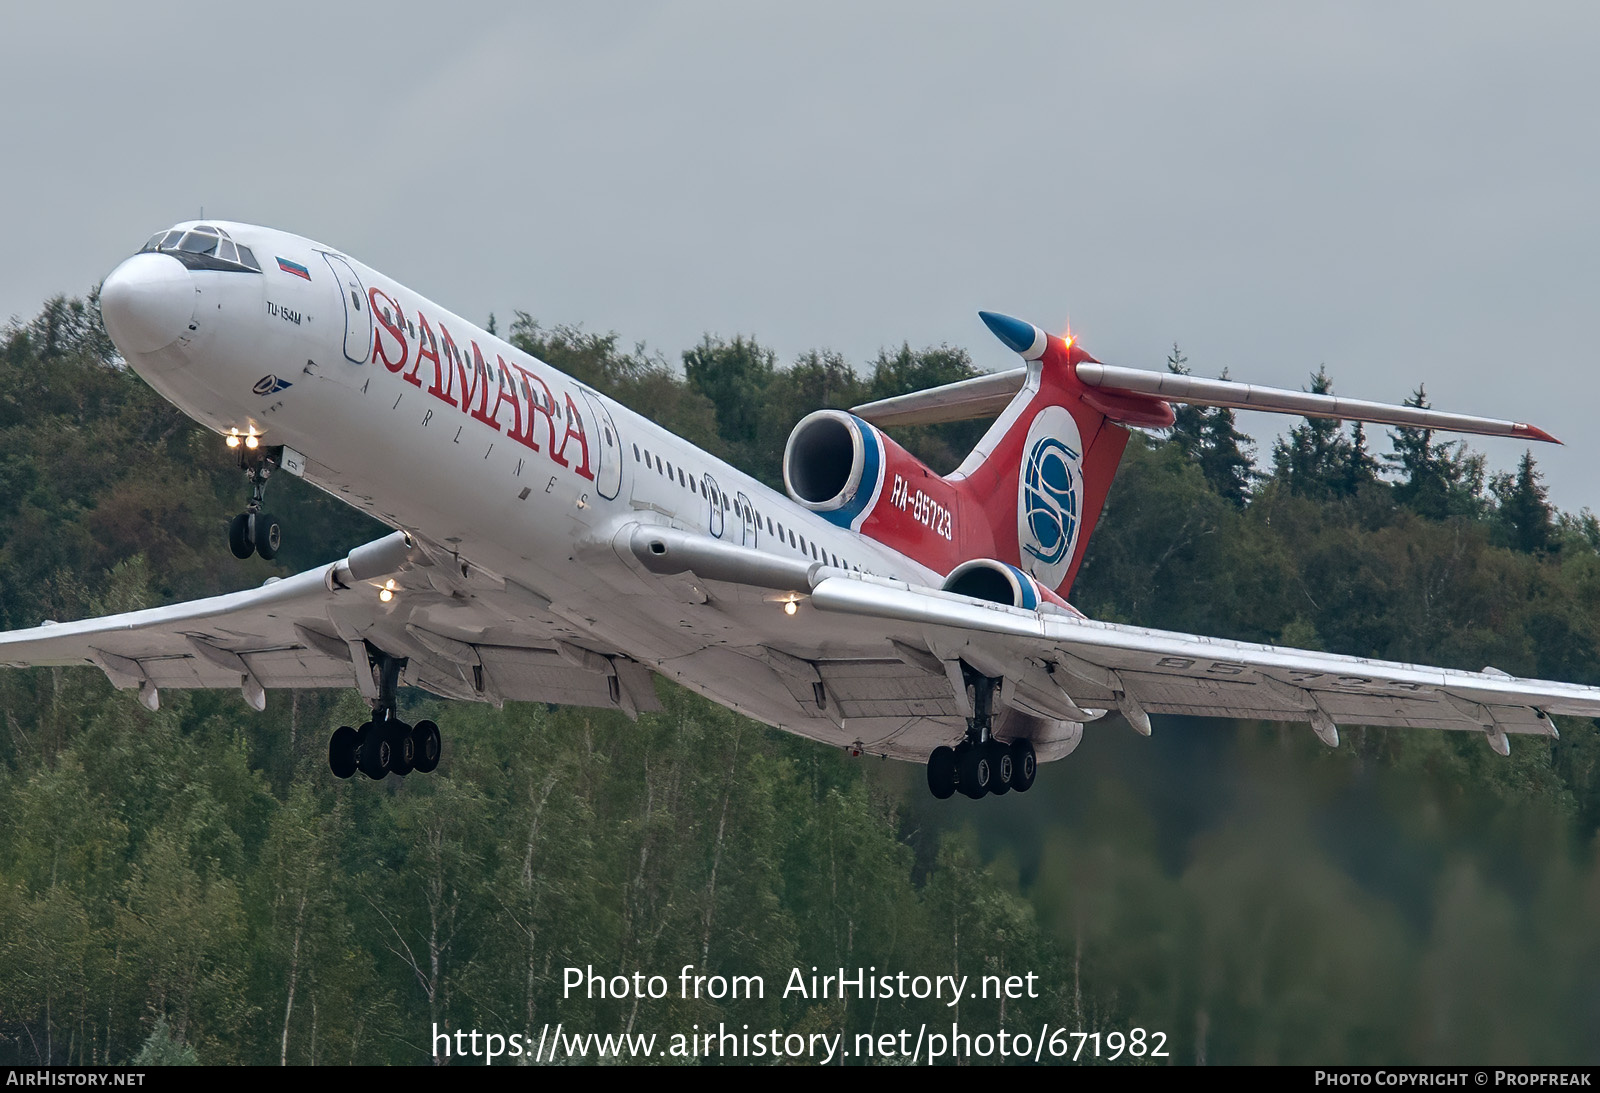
[{"x": 551, "y": 545}]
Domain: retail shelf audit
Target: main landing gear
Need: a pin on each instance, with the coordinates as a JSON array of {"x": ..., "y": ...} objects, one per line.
[
  {"x": 254, "y": 531},
  {"x": 980, "y": 764},
  {"x": 384, "y": 745}
]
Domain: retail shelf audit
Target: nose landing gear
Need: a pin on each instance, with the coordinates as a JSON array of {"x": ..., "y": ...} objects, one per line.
[
  {"x": 384, "y": 745},
  {"x": 253, "y": 531},
  {"x": 980, "y": 764}
]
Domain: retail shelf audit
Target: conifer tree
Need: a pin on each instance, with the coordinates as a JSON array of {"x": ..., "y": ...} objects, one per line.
[
  {"x": 1436, "y": 480},
  {"x": 1523, "y": 517},
  {"x": 1226, "y": 457},
  {"x": 1313, "y": 459},
  {"x": 1189, "y": 422},
  {"x": 1360, "y": 468}
]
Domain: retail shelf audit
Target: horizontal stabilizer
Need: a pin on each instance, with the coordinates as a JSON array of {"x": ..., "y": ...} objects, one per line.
[
  {"x": 1171, "y": 387},
  {"x": 986, "y": 396},
  {"x": 978, "y": 397}
]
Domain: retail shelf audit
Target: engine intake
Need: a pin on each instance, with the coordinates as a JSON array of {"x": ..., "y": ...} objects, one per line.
[
  {"x": 825, "y": 461},
  {"x": 996, "y": 582}
]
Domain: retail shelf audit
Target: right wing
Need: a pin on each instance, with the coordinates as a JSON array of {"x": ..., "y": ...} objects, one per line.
[{"x": 465, "y": 634}]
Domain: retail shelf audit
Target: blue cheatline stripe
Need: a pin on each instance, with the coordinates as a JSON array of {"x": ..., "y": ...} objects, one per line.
[
  {"x": 847, "y": 514},
  {"x": 1030, "y": 599}
]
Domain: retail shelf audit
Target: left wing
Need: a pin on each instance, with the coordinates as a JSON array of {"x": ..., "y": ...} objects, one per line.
[{"x": 1058, "y": 665}]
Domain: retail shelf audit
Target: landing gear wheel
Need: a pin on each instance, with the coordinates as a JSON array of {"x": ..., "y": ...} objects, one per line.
[
  {"x": 268, "y": 535},
  {"x": 427, "y": 747},
  {"x": 1001, "y": 763},
  {"x": 1024, "y": 765},
  {"x": 402, "y": 747},
  {"x": 974, "y": 772},
  {"x": 342, "y": 751},
  {"x": 377, "y": 753},
  {"x": 239, "y": 537},
  {"x": 942, "y": 772}
]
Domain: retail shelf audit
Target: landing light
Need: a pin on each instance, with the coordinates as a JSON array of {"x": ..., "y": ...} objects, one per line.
[
  {"x": 385, "y": 595},
  {"x": 789, "y": 607},
  {"x": 233, "y": 442},
  {"x": 252, "y": 443}
]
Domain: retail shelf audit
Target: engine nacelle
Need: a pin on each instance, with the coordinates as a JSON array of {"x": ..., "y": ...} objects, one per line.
[
  {"x": 852, "y": 475},
  {"x": 1052, "y": 738},
  {"x": 987, "y": 579}
]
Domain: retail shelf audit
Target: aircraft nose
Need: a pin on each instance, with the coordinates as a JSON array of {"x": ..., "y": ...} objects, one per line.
[{"x": 147, "y": 302}]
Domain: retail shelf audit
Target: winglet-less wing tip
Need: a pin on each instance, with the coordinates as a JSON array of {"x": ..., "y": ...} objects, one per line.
[{"x": 1533, "y": 432}]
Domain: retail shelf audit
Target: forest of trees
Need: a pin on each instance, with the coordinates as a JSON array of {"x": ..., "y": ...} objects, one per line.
[{"x": 192, "y": 885}]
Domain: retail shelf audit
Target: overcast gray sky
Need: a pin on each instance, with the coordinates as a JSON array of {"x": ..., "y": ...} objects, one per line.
[{"x": 1403, "y": 191}]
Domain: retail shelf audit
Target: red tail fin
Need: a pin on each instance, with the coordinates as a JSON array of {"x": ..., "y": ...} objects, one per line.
[{"x": 1041, "y": 473}]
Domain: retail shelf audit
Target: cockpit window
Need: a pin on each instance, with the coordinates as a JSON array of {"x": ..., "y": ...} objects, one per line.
[
  {"x": 203, "y": 247},
  {"x": 201, "y": 240}
]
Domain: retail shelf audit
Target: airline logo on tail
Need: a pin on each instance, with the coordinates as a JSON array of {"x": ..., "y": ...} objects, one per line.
[{"x": 1049, "y": 489}]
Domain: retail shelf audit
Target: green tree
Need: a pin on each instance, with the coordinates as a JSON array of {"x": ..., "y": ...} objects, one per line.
[
  {"x": 1189, "y": 421},
  {"x": 161, "y": 1049},
  {"x": 1314, "y": 459},
  {"x": 734, "y": 377},
  {"x": 1523, "y": 517},
  {"x": 1225, "y": 455},
  {"x": 1436, "y": 480}
]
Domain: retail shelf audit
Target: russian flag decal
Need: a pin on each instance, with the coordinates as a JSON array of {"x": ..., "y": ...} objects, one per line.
[{"x": 295, "y": 268}]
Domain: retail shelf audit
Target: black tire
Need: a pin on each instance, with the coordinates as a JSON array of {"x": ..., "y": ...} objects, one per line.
[
  {"x": 239, "y": 537},
  {"x": 1024, "y": 764},
  {"x": 402, "y": 748},
  {"x": 268, "y": 535},
  {"x": 942, "y": 772},
  {"x": 342, "y": 751},
  {"x": 1004, "y": 768},
  {"x": 376, "y": 750},
  {"x": 428, "y": 747},
  {"x": 975, "y": 773}
]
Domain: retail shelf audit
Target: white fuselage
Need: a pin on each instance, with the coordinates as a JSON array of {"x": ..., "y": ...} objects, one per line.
[{"x": 431, "y": 424}]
